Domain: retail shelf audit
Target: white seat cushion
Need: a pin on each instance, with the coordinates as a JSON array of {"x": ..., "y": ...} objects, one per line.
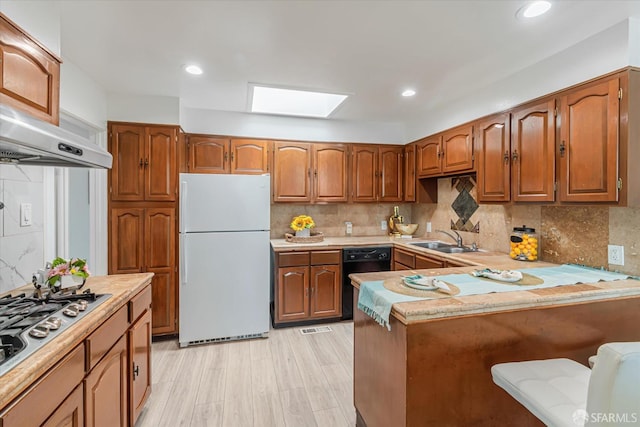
[{"x": 552, "y": 390}]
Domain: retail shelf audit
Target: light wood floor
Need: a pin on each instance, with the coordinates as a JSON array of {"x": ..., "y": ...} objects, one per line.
[{"x": 288, "y": 379}]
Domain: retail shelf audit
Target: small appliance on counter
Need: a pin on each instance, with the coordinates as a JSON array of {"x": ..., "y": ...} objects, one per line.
[
  {"x": 524, "y": 244},
  {"x": 395, "y": 219}
]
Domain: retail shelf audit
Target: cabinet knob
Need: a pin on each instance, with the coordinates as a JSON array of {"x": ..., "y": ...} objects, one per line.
[
  {"x": 136, "y": 371},
  {"x": 146, "y": 162},
  {"x": 506, "y": 156},
  {"x": 141, "y": 162},
  {"x": 515, "y": 155},
  {"x": 562, "y": 149}
]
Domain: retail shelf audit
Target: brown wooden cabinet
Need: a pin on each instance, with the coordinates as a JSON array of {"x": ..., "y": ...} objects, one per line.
[
  {"x": 139, "y": 354},
  {"x": 405, "y": 259},
  {"x": 144, "y": 162},
  {"x": 70, "y": 413},
  {"x": 410, "y": 173},
  {"x": 308, "y": 286},
  {"x": 588, "y": 149},
  {"x": 30, "y": 73},
  {"x": 493, "y": 152},
  {"x": 428, "y": 156},
  {"x": 376, "y": 173},
  {"x": 144, "y": 240},
  {"x": 446, "y": 153},
  {"x": 533, "y": 152},
  {"x": 330, "y": 173},
  {"x": 213, "y": 154}
]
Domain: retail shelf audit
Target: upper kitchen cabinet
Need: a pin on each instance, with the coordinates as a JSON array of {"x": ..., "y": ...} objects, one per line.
[
  {"x": 376, "y": 173},
  {"x": 29, "y": 74},
  {"x": 292, "y": 171},
  {"x": 428, "y": 156},
  {"x": 330, "y": 169},
  {"x": 211, "y": 154},
  {"x": 588, "y": 149},
  {"x": 145, "y": 162},
  {"x": 457, "y": 150},
  {"x": 494, "y": 159},
  {"x": 410, "y": 173},
  {"x": 533, "y": 140}
]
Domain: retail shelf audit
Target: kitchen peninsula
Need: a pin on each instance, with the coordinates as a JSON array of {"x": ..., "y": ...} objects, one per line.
[{"x": 433, "y": 367}]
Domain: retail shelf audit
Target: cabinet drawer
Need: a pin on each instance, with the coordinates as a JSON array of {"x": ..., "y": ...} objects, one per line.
[
  {"x": 41, "y": 400},
  {"x": 397, "y": 266},
  {"x": 325, "y": 257},
  {"x": 292, "y": 259},
  {"x": 428, "y": 262},
  {"x": 103, "y": 338},
  {"x": 405, "y": 258},
  {"x": 139, "y": 304}
]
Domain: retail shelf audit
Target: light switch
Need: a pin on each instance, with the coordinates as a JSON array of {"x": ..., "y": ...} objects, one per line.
[{"x": 25, "y": 215}]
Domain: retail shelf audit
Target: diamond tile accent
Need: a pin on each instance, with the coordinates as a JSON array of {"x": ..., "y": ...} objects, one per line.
[{"x": 464, "y": 205}]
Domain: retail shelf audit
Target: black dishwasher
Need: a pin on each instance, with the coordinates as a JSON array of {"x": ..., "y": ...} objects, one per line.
[{"x": 361, "y": 260}]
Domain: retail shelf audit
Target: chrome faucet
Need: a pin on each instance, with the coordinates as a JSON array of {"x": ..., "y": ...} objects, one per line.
[{"x": 457, "y": 237}]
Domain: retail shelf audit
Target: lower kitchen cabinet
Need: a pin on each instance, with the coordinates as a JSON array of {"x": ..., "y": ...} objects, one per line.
[
  {"x": 70, "y": 413},
  {"x": 140, "y": 362},
  {"x": 408, "y": 260},
  {"x": 308, "y": 286}
]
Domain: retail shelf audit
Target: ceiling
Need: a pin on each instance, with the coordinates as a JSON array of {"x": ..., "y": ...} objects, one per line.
[{"x": 371, "y": 50}]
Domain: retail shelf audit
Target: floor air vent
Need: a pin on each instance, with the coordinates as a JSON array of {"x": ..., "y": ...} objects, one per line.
[
  {"x": 225, "y": 339},
  {"x": 317, "y": 330}
]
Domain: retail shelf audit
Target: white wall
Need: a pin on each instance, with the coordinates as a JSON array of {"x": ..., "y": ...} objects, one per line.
[
  {"x": 595, "y": 56},
  {"x": 41, "y": 19},
  {"x": 275, "y": 127},
  {"x": 82, "y": 97},
  {"x": 143, "y": 108}
]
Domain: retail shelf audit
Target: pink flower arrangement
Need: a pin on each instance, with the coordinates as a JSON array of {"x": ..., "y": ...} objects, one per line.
[{"x": 62, "y": 267}]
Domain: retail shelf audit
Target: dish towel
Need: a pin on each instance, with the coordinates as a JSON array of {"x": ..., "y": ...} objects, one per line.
[{"x": 376, "y": 301}]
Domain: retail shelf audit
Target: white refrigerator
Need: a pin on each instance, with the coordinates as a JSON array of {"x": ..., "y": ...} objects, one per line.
[{"x": 224, "y": 257}]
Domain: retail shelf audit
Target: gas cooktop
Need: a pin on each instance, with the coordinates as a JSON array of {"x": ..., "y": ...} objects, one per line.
[{"x": 27, "y": 322}]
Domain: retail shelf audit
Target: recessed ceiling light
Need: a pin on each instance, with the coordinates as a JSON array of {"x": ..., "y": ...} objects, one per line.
[
  {"x": 408, "y": 92},
  {"x": 193, "y": 69},
  {"x": 293, "y": 102},
  {"x": 533, "y": 9}
]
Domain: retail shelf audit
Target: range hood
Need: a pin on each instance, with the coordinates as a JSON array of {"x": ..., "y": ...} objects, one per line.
[{"x": 25, "y": 140}]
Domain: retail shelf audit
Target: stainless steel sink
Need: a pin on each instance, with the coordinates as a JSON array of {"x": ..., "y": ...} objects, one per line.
[
  {"x": 432, "y": 245},
  {"x": 453, "y": 250}
]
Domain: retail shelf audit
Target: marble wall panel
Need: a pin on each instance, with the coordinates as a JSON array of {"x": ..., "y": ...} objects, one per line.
[
  {"x": 575, "y": 234},
  {"x": 624, "y": 229},
  {"x": 15, "y": 194},
  {"x": 20, "y": 256},
  {"x": 22, "y": 173}
]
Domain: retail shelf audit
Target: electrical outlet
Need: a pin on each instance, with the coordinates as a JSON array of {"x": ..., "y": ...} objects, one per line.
[
  {"x": 383, "y": 225},
  {"x": 428, "y": 227},
  {"x": 616, "y": 254}
]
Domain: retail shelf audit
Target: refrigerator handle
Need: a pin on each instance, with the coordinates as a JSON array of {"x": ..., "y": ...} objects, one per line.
[
  {"x": 183, "y": 205},
  {"x": 183, "y": 261}
]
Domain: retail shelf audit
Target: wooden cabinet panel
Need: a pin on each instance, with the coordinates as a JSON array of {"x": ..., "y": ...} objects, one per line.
[
  {"x": 292, "y": 172},
  {"x": 103, "y": 338},
  {"x": 325, "y": 294},
  {"x": 588, "y": 148},
  {"x": 70, "y": 413},
  {"x": 161, "y": 163},
  {"x": 457, "y": 149},
  {"x": 404, "y": 257},
  {"x": 106, "y": 389},
  {"x": 126, "y": 144},
  {"x": 533, "y": 153},
  {"x": 208, "y": 154},
  {"x": 397, "y": 266},
  {"x": 293, "y": 259},
  {"x": 364, "y": 169},
  {"x": 330, "y": 172},
  {"x": 29, "y": 74},
  {"x": 325, "y": 257},
  {"x": 293, "y": 293},
  {"x": 159, "y": 238},
  {"x": 410, "y": 173},
  {"x": 390, "y": 173},
  {"x": 494, "y": 159},
  {"x": 249, "y": 156},
  {"x": 423, "y": 262},
  {"x": 126, "y": 240},
  {"x": 47, "y": 393},
  {"x": 428, "y": 156},
  {"x": 164, "y": 295},
  {"x": 140, "y": 362}
]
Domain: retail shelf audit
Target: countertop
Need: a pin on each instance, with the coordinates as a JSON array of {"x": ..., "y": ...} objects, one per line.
[{"x": 121, "y": 287}]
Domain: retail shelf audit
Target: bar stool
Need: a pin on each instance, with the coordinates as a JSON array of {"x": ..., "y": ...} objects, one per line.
[{"x": 562, "y": 392}]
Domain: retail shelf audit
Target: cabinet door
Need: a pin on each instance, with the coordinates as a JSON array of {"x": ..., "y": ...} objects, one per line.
[
  {"x": 330, "y": 172},
  {"x": 126, "y": 144},
  {"x": 249, "y": 156},
  {"x": 423, "y": 261},
  {"x": 533, "y": 153},
  {"x": 126, "y": 240},
  {"x": 293, "y": 293},
  {"x": 494, "y": 159},
  {"x": 164, "y": 295},
  {"x": 161, "y": 163},
  {"x": 208, "y": 154},
  {"x": 589, "y": 143},
  {"x": 70, "y": 413},
  {"x": 364, "y": 169},
  {"x": 291, "y": 172},
  {"x": 457, "y": 149},
  {"x": 428, "y": 156},
  {"x": 140, "y": 363},
  {"x": 410, "y": 173},
  {"x": 106, "y": 389},
  {"x": 390, "y": 173},
  {"x": 30, "y": 75},
  {"x": 326, "y": 291}
]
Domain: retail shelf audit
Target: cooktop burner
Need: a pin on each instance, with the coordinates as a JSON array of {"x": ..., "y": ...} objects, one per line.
[{"x": 28, "y": 322}]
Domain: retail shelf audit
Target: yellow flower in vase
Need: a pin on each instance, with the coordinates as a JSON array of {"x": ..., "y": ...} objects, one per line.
[{"x": 302, "y": 224}]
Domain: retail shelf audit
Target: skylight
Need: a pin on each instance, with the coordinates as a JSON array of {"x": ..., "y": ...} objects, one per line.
[{"x": 293, "y": 102}]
